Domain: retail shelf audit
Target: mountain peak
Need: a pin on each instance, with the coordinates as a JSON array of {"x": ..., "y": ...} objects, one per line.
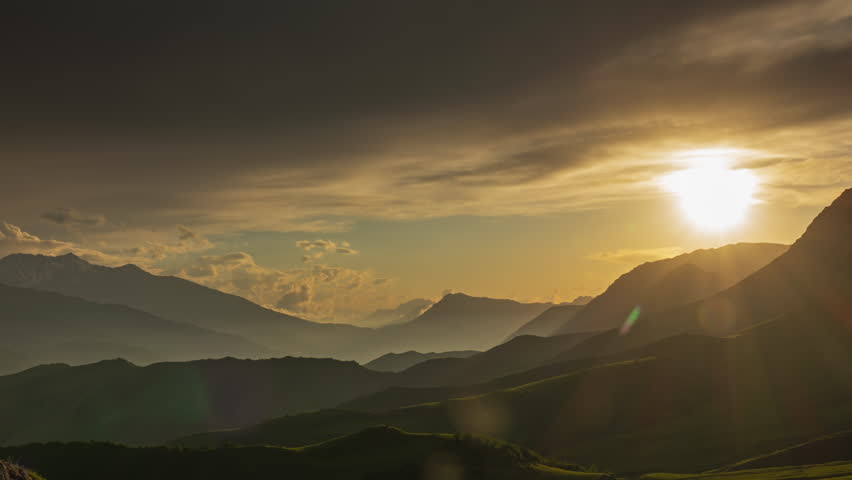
[
  {"x": 131, "y": 267},
  {"x": 24, "y": 270},
  {"x": 830, "y": 232}
]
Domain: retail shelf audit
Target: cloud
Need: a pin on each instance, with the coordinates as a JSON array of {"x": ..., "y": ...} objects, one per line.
[
  {"x": 72, "y": 217},
  {"x": 316, "y": 249},
  {"x": 188, "y": 241},
  {"x": 316, "y": 292},
  {"x": 585, "y": 122},
  {"x": 632, "y": 256},
  {"x": 15, "y": 240},
  {"x": 295, "y": 298}
]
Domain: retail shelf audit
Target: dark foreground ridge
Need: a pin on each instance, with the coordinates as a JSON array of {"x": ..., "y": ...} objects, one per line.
[{"x": 379, "y": 453}]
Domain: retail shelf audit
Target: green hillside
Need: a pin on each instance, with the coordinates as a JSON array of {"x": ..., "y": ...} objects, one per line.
[
  {"x": 835, "y": 470},
  {"x": 376, "y": 453},
  {"x": 829, "y": 448}
]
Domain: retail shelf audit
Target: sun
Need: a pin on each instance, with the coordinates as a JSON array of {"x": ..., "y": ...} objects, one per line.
[{"x": 713, "y": 196}]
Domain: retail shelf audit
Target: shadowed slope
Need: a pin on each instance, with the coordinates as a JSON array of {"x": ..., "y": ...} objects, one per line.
[
  {"x": 517, "y": 355},
  {"x": 118, "y": 401},
  {"x": 397, "y": 362},
  {"x": 549, "y": 321},
  {"x": 830, "y": 448},
  {"x": 376, "y": 453},
  {"x": 815, "y": 274},
  {"x": 665, "y": 284},
  {"x": 44, "y": 327},
  {"x": 685, "y": 403}
]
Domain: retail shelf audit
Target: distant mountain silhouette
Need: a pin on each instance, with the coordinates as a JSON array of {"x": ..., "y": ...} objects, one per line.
[
  {"x": 117, "y": 401},
  {"x": 376, "y": 453},
  {"x": 397, "y": 362},
  {"x": 814, "y": 274},
  {"x": 403, "y": 313},
  {"x": 664, "y": 284},
  {"x": 45, "y": 327},
  {"x": 549, "y": 321},
  {"x": 180, "y": 300},
  {"x": 456, "y": 322}
]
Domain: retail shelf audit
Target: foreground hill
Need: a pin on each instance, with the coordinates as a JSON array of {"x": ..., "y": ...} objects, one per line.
[
  {"x": 44, "y": 327},
  {"x": 179, "y": 300},
  {"x": 380, "y": 453},
  {"x": 118, "y": 401},
  {"x": 397, "y": 362},
  {"x": 687, "y": 403},
  {"x": 665, "y": 284},
  {"x": 815, "y": 274}
]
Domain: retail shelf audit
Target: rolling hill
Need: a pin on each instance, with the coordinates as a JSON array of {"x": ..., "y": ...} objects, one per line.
[
  {"x": 397, "y": 362},
  {"x": 380, "y": 453},
  {"x": 115, "y": 400},
  {"x": 665, "y": 284},
  {"x": 44, "y": 327}
]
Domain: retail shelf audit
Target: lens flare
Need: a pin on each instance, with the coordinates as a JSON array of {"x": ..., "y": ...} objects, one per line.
[{"x": 631, "y": 320}]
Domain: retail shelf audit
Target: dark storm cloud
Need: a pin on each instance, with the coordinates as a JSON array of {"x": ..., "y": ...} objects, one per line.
[
  {"x": 69, "y": 216},
  {"x": 287, "y": 115}
]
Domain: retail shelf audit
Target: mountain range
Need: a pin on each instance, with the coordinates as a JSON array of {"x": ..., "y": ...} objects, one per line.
[
  {"x": 664, "y": 284},
  {"x": 45, "y": 327},
  {"x": 178, "y": 300},
  {"x": 760, "y": 362},
  {"x": 254, "y": 331}
]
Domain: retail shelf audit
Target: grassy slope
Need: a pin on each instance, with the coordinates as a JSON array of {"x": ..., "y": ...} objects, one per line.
[
  {"x": 10, "y": 471},
  {"x": 835, "y": 470},
  {"x": 830, "y": 448},
  {"x": 377, "y": 453},
  {"x": 696, "y": 403}
]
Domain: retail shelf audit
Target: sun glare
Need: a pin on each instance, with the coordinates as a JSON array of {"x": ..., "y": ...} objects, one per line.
[{"x": 713, "y": 196}]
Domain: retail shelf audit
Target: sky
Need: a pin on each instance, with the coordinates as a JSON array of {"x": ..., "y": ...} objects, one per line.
[{"x": 329, "y": 158}]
